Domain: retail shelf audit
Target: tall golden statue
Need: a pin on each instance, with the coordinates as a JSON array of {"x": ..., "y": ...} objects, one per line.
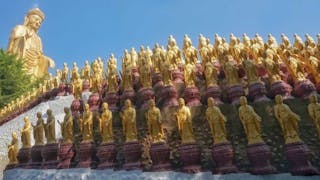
[
  {"x": 67, "y": 127},
  {"x": 288, "y": 121},
  {"x": 86, "y": 71},
  {"x": 154, "y": 121},
  {"x": 77, "y": 87},
  {"x": 74, "y": 71},
  {"x": 251, "y": 70},
  {"x": 231, "y": 71},
  {"x": 13, "y": 148},
  {"x": 272, "y": 67},
  {"x": 314, "y": 111},
  {"x": 129, "y": 126},
  {"x": 184, "y": 121},
  {"x": 25, "y": 133},
  {"x": 25, "y": 43},
  {"x": 189, "y": 73},
  {"x": 64, "y": 73},
  {"x": 106, "y": 124},
  {"x": 166, "y": 73},
  {"x": 250, "y": 121},
  {"x": 145, "y": 74},
  {"x": 86, "y": 124},
  {"x": 190, "y": 53},
  {"x": 211, "y": 74},
  {"x": 112, "y": 77},
  {"x": 217, "y": 122},
  {"x": 127, "y": 79},
  {"x": 38, "y": 130},
  {"x": 50, "y": 128},
  {"x": 97, "y": 77}
]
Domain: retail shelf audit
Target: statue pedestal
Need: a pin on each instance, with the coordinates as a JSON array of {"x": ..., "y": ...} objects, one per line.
[
  {"x": 160, "y": 156},
  {"x": 144, "y": 95},
  {"x": 62, "y": 89},
  {"x": 177, "y": 76},
  {"x": 128, "y": 94},
  {"x": 304, "y": 88},
  {"x": 192, "y": 96},
  {"x": 259, "y": 156},
  {"x": 107, "y": 155},
  {"x": 299, "y": 155},
  {"x": 85, "y": 86},
  {"x": 50, "y": 156},
  {"x": 257, "y": 92},
  {"x": 76, "y": 107},
  {"x": 112, "y": 98},
  {"x": 132, "y": 155},
  {"x": 234, "y": 93},
  {"x": 84, "y": 154},
  {"x": 169, "y": 96},
  {"x": 190, "y": 157},
  {"x": 222, "y": 154},
  {"x": 282, "y": 88},
  {"x": 215, "y": 93},
  {"x": 94, "y": 101},
  {"x": 23, "y": 157},
  {"x": 36, "y": 158},
  {"x": 65, "y": 155}
]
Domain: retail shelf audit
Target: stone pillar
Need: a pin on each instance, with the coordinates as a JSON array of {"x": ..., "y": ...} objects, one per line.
[
  {"x": 50, "y": 156},
  {"x": 23, "y": 157},
  {"x": 107, "y": 155},
  {"x": 36, "y": 158},
  {"x": 223, "y": 154},
  {"x": 84, "y": 154},
  {"x": 190, "y": 157},
  {"x": 132, "y": 155},
  {"x": 160, "y": 156},
  {"x": 234, "y": 93}
]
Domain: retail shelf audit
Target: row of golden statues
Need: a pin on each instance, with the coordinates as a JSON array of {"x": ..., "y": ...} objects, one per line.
[{"x": 251, "y": 122}]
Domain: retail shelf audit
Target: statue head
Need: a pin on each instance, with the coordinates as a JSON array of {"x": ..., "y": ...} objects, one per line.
[
  {"x": 34, "y": 18},
  {"x": 105, "y": 106},
  {"x": 127, "y": 103},
  {"x": 39, "y": 114},
  {"x": 26, "y": 120},
  {"x": 86, "y": 107},
  {"x": 243, "y": 101},
  {"x": 181, "y": 102},
  {"x": 14, "y": 135},
  {"x": 279, "y": 99},
  {"x": 152, "y": 103},
  {"x": 313, "y": 98},
  {"x": 49, "y": 112},
  {"x": 210, "y": 102}
]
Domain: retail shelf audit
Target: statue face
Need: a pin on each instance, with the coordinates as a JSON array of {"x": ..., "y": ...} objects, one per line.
[
  {"x": 66, "y": 110},
  {"x": 181, "y": 102},
  {"x": 151, "y": 103},
  {"x": 105, "y": 106},
  {"x": 210, "y": 102},
  {"x": 39, "y": 114},
  {"x": 86, "y": 107},
  {"x": 128, "y": 103},
  {"x": 313, "y": 98},
  {"x": 243, "y": 100},
  {"x": 34, "y": 21},
  {"x": 278, "y": 99}
]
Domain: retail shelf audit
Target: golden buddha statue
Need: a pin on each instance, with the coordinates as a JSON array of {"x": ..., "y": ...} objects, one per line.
[
  {"x": 106, "y": 124},
  {"x": 26, "y": 44},
  {"x": 231, "y": 71},
  {"x": 295, "y": 67},
  {"x": 86, "y": 124},
  {"x": 67, "y": 127},
  {"x": 134, "y": 57},
  {"x": 312, "y": 65},
  {"x": 154, "y": 122},
  {"x": 184, "y": 121},
  {"x": 126, "y": 60},
  {"x": 13, "y": 148},
  {"x": 211, "y": 74},
  {"x": 173, "y": 52},
  {"x": 166, "y": 73},
  {"x": 145, "y": 74},
  {"x": 314, "y": 111},
  {"x": 77, "y": 87},
  {"x": 86, "y": 71},
  {"x": 189, "y": 52},
  {"x": 38, "y": 130},
  {"x": 235, "y": 48},
  {"x": 127, "y": 79},
  {"x": 189, "y": 73},
  {"x": 157, "y": 58},
  {"x": 96, "y": 79},
  {"x": 217, "y": 122},
  {"x": 50, "y": 128},
  {"x": 25, "y": 133},
  {"x": 273, "y": 68},
  {"x": 250, "y": 68},
  {"x": 112, "y": 75},
  {"x": 204, "y": 51},
  {"x": 64, "y": 73},
  {"x": 250, "y": 121},
  {"x": 288, "y": 121},
  {"x": 56, "y": 79},
  {"x": 129, "y": 126},
  {"x": 74, "y": 71}
]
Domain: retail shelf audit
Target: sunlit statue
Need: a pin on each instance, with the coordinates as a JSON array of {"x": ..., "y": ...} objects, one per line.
[
  {"x": 86, "y": 126},
  {"x": 26, "y": 133},
  {"x": 74, "y": 71},
  {"x": 211, "y": 74},
  {"x": 189, "y": 75},
  {"x": 25, "y": 43},
  {"x": 272, "y": 67},
  {"x": 64, "y": 73},
  {"x": 77, "y": 87},
  {"x": 190, "y": 53},
  {"x": 106, "y": 124},
  {"x": 50, "y": 128},
  {"x": 250, "y": 121},
  {"x": 288, "y": 121},
  {"x": 173, "y": 52},
  {"x": 13, "y": 148},
  {"x": 314, "y": 111},
  {"x": 129, "y": 126},
  {"x": 86, "y": 71},
  {"x": 67, "y": 127},
  {"x": 112, "y": 77},
  {"x": 157, "y": 58},
  {"x": 96, "y": 79},
  {"x": 217, "y": 122},
  {"x": 295, "y": 67},
  {"x": 251, "y": 69},
  {"x": 145, "y": 71},
  {"x": 154, "y": 121},
  {"x": 38, "y": 130},
  {"x": 184, "y": 121},
  {"x": 231, "y": 71},
  {"x": 127, "y": 79},
  {"x": 166, "y": 72}
]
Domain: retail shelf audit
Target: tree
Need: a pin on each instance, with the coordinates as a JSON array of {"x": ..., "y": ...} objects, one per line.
[{"x": 13, "y": 80}]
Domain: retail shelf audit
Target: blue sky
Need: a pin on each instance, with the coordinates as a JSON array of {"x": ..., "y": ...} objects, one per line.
[{"x": 83, "y": 30}]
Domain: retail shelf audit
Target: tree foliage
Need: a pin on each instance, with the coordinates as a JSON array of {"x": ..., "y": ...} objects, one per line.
[{"x": 13, "y": 80}]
